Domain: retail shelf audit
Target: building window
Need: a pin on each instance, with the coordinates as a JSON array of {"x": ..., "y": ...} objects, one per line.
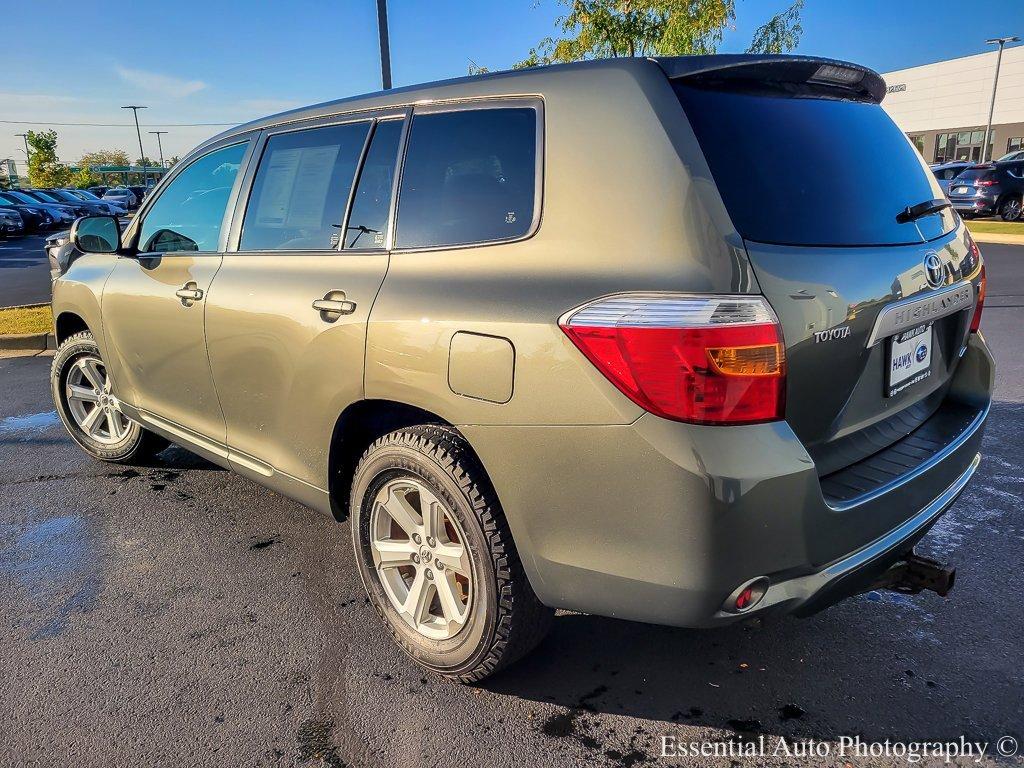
[
  {"x": 1015, "y": 144},
  {"x": 918, "y": 141}
]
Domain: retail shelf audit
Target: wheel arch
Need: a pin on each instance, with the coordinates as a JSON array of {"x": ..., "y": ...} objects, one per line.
[
  {"x": 355, "y": 430},
  {"x": 67, "y": 324}
]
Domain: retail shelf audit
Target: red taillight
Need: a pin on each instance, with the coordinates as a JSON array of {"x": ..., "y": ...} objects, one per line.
[
  {"x": 986, "y": 183},
  {"x": 982, "y": 284},
  {"x": 701, "y": 359}
]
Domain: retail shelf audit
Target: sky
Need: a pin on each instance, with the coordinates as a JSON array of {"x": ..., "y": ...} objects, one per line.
[{"x": 209, "y": 61}]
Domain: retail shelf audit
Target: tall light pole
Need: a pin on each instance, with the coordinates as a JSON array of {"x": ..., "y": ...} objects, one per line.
[
  {"x": 142, "y": 153},
  {"x": 385, "y": 45},
  {"x": 25, "y": 137},
  {"x": 1000, "y": 41},
  {"x": 159, "y": 145}
]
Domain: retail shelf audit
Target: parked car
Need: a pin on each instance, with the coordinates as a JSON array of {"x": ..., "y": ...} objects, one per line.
[
  {"x": 122, "y": 195},
  {"x": 61, "y": 213},
  {"x": 61, "y": 253},
  {"x": 98, "y": 190},
  {"x": 85, "y": 206},
  {"x": 36, "y": 217},
  {"x": 990, "y": 189},
  {"x": 1012, "y": 156},
  {"x": 115, "y": 207},
  {"x": 11, "y": 223},
  {"x": 657, "y": 387},
  {"x": 140, "y": 192},
  {"x": 945, "y": 172}
]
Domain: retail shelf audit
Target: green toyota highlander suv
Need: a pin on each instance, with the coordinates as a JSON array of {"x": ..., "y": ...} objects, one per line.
[{"x": 682, "y": 340}]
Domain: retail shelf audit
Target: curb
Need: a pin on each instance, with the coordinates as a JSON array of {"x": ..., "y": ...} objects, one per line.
[{"x": 37, "y": 342}]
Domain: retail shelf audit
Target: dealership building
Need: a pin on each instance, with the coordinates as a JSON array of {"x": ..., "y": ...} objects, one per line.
[{"x": 943, "y": 107}]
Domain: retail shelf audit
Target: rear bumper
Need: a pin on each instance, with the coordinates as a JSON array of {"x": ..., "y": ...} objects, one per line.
[
  {"x": 816, "y": 591},
  {"x": 660, "y": 522},
  {"x": 979, "y": 205}
]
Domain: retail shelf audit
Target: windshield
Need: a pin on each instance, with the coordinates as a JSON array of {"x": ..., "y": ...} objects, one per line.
[
  {"x": 44, "y": 197},
  {"x": 812, "y": 171},
  {"x": 22, "y": 198},
  {"x": 85, "y": 194}
]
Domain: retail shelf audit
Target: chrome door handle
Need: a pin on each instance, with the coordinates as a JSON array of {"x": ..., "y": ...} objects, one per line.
[
  {"x": 189, "y": 293},
  {"x": 335, "y": 306}
]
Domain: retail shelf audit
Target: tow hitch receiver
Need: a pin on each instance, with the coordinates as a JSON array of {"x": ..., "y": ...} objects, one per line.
[{"x": 914, "y": 573}]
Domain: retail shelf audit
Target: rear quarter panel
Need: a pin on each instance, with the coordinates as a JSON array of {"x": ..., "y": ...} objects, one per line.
[{"x": 620, "y": 212}]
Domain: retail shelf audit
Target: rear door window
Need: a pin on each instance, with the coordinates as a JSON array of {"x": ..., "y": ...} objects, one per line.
[
  {"x": 190, "y": 210},
  {"x": 301, "y": 189},
  {"x": 812, "y": 171},
  {"x": 469, "y": 177}
]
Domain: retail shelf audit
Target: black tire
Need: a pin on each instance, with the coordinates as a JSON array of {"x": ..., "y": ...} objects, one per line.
[
  {"x": 138, "y": 445},
  {"x": 506, "y": 619},
  {"x": 1010, "y": 209}
]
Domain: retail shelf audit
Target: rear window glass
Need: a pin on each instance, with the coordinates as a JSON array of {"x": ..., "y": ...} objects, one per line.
[
  {"x": 812, "y": 171},
  {"x": 977, "y": 174},
  {"x": 469, "y": 177}
]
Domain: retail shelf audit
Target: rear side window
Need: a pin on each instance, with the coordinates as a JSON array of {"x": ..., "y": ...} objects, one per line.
[
  {"x": 190, "y": 210},
  {"x": 812, "y": 171},
  {"x": 368, "y": 221},
  {"x": 301, "y": 189},
  {"x": 469, "y": 177}
]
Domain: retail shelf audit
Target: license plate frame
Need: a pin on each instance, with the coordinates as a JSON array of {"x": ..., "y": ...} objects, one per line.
[{"x": 906, "y": 363}]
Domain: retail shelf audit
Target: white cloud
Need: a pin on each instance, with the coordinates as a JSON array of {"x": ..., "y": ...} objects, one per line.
[{"x": 164, "y": 85}]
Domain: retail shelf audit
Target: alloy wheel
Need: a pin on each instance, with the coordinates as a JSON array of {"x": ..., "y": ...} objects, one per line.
[
  {"x": 421, "y": 557},
  {"x": 95, "y": 410}
]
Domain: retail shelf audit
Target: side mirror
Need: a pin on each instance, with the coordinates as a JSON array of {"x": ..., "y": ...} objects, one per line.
[{"x": 96, "y": 234}]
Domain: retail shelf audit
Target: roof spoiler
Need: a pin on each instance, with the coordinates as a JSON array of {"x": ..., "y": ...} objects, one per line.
[{"x": 798, "y": 75}]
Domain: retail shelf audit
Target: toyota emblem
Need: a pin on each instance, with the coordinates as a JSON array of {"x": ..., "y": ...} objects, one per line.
[{"x": 933, "y": 270}]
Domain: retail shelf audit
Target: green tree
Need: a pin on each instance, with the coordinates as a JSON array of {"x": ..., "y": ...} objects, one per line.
[
  {"x": 44, "y": 170},
  {"x": 106, "y": 157},
  {"x": 595, "y": 29},
  {"x": 83, "y": 178}
]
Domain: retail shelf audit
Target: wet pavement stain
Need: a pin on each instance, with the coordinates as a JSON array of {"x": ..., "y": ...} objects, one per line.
[
  {"x": 791, "y": 712},
  {"x": 745, "y": 726},
  {"x": 27, "y": 427},
  {"x": 48, "y": 559},
  {"x": 316, "y": 742},
  {"x": 262, "y": 544}
]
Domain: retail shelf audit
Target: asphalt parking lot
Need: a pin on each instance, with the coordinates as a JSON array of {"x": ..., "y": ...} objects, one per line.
[
  {"x": 24, "y": 271},
  {"x": 182, "y": 615}
]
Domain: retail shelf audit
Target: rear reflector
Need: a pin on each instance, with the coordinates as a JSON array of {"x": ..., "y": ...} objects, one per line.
[{"x": 699, "y": 359}]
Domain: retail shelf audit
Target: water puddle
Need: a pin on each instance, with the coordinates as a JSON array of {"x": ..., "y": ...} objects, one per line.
[{"x": 27, "y": 426}]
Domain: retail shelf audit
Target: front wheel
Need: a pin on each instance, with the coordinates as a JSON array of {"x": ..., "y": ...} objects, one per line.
[
  {"x": 437, "y": 558},
  {"x": 1010, "y": 209},
  {"x": 91, "y": 413}
]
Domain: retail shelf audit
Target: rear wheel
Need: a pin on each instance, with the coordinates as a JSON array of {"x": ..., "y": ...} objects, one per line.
[
  {"x": 91, "y": 413},
  {"x": 437, "y": 558},
  {"x": 1010, "y": 209}
]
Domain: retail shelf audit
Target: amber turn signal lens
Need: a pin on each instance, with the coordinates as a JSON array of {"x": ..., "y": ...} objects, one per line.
[{"x": 758, "y": 360}]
